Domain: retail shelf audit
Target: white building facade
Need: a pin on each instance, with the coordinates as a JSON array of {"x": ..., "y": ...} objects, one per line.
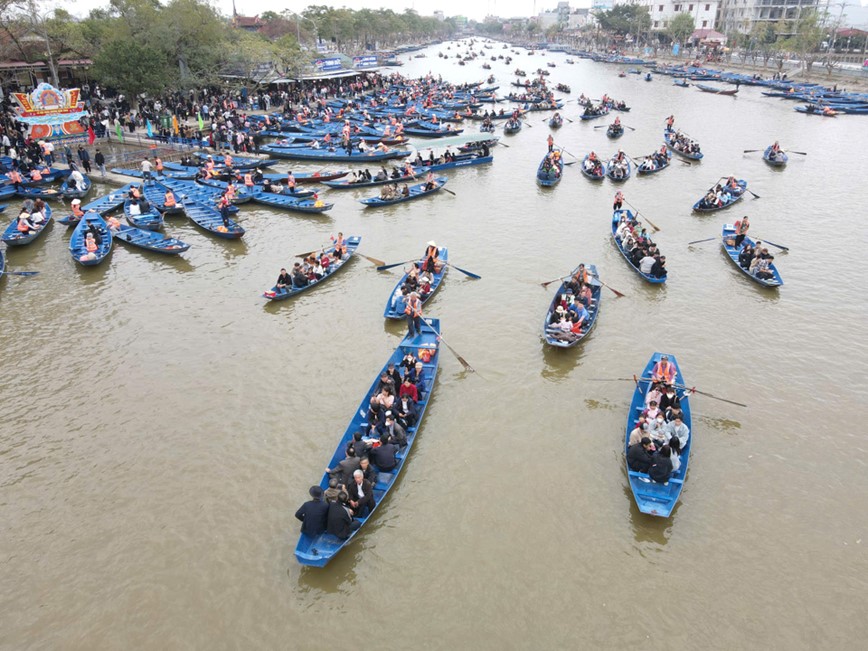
[
  {"x": 704, "y": 12},
  {"x": 742, "y": 15}
]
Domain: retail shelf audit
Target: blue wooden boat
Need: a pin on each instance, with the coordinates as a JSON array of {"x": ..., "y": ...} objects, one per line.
[
  {"x": 551, "y": 176},
  {"x": 74, "y": 193},
  {"x": 101, "y": 205},
  {"x": 601, "y": 170},
  {"x": 614, "y": 132},
  {"x": 281, "y": 294},
  {"x": 667, "y": 138},
  {"x": 38, "y": 192},
  {"x": 3, "y": 207},
  {"x": 512, "y": 126},
  {"x": 681, "y": 82},
  {"x": 77, "y": 249},
  {"x": 155, "y": 193},
  {"x": 306, "y": 153},
  {"x": 188, "y": 191},
  {"x": 209, "y": 219},
  {"x": 728, "y": 240},
  {"x": 640, "y": 171},
  {"x": 13, "y": 237},
  {"x": 594, "y": 116},
  {"x": 243, "y": 194},
  {"x": 308, "y": 177},
  {"x": 239, "y": 162},
  {"x": 616, "y": 218},
  {"x": 653, "y": 498},
  {"x": 289, "y": 202},
  {"x": 395, "y": 305},
  {"x": 416, "y": 191},
  {"x": 150, "y": 241},
  {"x": 7, "y": 191},
  {"x": 320, "y": 550},
  {"x": 616, "y": 174},
  {"x": 556, "y": 122},
  {"x": 556, "y": 337},
  {"x": 167, "y": 174},
  {"x": 2, "y": 261},
  {"x": 734, "y": 197},
  {"x": 705, "y": 88},
  {"x": 151, "y": 220},
  {"x": 777, "y": 160}
]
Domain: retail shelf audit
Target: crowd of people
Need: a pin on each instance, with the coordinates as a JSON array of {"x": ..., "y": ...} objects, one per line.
[
  {"x": 313, "y": 268},
  {"x": 753, "y": 258},
  {"x": 659, "y": 439},
  {"x": 570, "y": 316},
  {"x": 680, "y": 141},
  {"x": 655, "y": 161},
  {"x": 375, "y": 447},
  {"x": 618, "y": 167},
  {"x": 721, "y": 195},
  {"x": 636, "y": 243}
]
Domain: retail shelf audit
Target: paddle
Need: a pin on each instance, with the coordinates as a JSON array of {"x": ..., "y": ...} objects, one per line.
[
  {"x": 750, "y": 151},
  {"x": 755, "y": 195},
  {"x": 684, "y": 162},
  {"x": 571, "y": 122},
  {"x": 467, "y": 367},
  {"x": 765, "y": 241},
  {"x": 617, "y": 293},
  {"x": 19, "y": 273},
  {"x": 631, "y": 128},
  {"x": 547, "y": 283},
  {"x": 602, "y": 126},
  {"x": 383, "y": 267},
  {"x": 709, "y": 395},
  {"x": 570, "y": 153},
  {"x": 645, "y": 217},
  {"x": 801, "y": 153},
  {"x": 698, "y": 241},
  {"x": 464, "y": 271},
  {"x": 449, "y": 191}
]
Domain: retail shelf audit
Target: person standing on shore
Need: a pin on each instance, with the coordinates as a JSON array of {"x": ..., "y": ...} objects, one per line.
[{"x": 99, "y": 159}]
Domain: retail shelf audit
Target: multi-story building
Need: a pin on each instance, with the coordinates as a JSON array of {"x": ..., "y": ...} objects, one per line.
[
  {"x": 704, "y": 12},
  {"x": 742, "y": 15}
]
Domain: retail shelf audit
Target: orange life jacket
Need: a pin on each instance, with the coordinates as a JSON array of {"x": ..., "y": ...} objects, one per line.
[
  {"x": 22, "y": 226},
  {"x": 665, "y": 371},
  {"x": 14, "y": 176},
  {"x": 169, "y": 200},
  {"x": 35, "y": 175},
  {"x": 77, "y": 211},
  {"x": 90, "y": 245},
  {"x": 158, "y": 164},
  {"x": 248, "y": 180},
  {"x": 414, "y": 307}
]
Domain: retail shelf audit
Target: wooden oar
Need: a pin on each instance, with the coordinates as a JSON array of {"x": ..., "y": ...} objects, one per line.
[
  {"x": 467, "y": 367},
  {"x": 750, "y": 151},
  {"x": 801, "y": 153},
  {"x": 709, "y": 395},
  {"x": 698, "y": 241},
  {"x": 19, "y": 273},
  {"x": 645, "y": 217},
  {"x": 755, "y": 195},
  {"x": 631, "y": 128},
  {"x": 570, "y": 153},
  {"x": 571, "y": 122},
  {"x": 549, "y": 282},
  {"x": 765, "y": 241},
  {"x": 383, "y": 267},
  {"x": 449, "y": 191},
  {"x": 617, "y": 293},
  {"x": 602, "y": 126},
  {"x": 464, "y": 271}
]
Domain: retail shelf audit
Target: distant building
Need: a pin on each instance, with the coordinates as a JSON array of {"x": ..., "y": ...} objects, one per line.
[
  {"x": 742, "y": 15},
  {"x": 704, "y": 12},
  {"x": 439, "y": 15}
]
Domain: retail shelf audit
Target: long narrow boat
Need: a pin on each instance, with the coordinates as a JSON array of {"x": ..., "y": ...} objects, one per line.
[
  {"x": 705, "y": 88},
  {"x": 70, "y": 192},
  {"x": 243, "y": 194},
  {"x": 651, "y": 497},
  {"x": 155, "y": 193},
  {"x": 308, "y": 177},
  {"x": 167, "y": 174},
  {"x": 150, "y": 241},
  {"x": 240, "y": 162},
  {"x": 616, "y": 218},
  {"x": 289, "y": 202},
  {"x": 556, "y": 122},
  {"x": 7, "y": 191},
  {"x": 187, "y": 191},
  {"x": 667, "y": 138},
  {"x": 320, "y": 550},
  {"x": 642, "y": 171},
  {"x": 551, "y": 176},
  {"x": 734, "y": 197},
  {"x": 76, "y": 242},
  {"x": 395, "y": 304},
  {"x": 209, "y": 219},
  {"x": 779, "y": 159},
  {"x": 416, "y": 191},
  {"x": 594, "y": 116},
  {"x": 151, "y": 220},
  {"x": 728, "y": 241},
  {"x": 101, "y": 205},
  {"x": 616, "y": 174},
  {"x": 614, "y": 132},
  {"x": 556, "y": 337},
  {"x": 591, "y": 175},
  {"x": 339, "y": 155},
  {"x": 39, "y": 192},
  {"x": 281, "y": 294},
  {"x": 13, "y": 237}
]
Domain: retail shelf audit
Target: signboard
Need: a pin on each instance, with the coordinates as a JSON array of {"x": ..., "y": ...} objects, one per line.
[
  {"x": 365, "y": 62},
  {"x": 51, "y": 113},
  {"x": 328, "y": 64}
]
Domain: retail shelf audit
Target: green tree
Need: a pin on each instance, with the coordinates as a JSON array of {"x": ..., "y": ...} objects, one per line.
[
  {"x": 131, "y": 67},
  {"x": 681, "y": 27},
  {"x": 625, "y": 19}
]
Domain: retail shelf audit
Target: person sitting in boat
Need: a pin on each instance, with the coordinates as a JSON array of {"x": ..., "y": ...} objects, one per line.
[
  {"x": 340, "y": 521},
  {"x": 77, "y": 212},
  {"x": 676, "y": 429},
  {"x": 405, "y": 411},
  {"x": 640, "y": 456},
  {"x": 658, "y": 269},
  {"x": 114, "y": 224},
  {"x": 380, "y": 403},
  {"x": 382, "y": 175},
  {"x": 134, "y": 208},
  {"x": 664, "y": 371},
  {"x": 91, "y": 246},
  {"x": 661, "y": 466},
  {"x": 299, "y": 279},
  {"x": 762, "y": 270},
  {"x": 746, "y": 256},
  {"x": 77, "y": 180},
  {"x": 405, "y": 190},
  {"x": 639, "y": 432},
  {"x": 430, "y": 182},
  {"x": 25, "y": 226}
]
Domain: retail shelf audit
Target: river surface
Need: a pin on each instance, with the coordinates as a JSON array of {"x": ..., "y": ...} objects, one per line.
[{"x": 162, "y": 422}]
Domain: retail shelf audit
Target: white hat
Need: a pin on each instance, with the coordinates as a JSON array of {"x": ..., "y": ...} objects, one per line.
[
  {"x": 432, "y": 243},
  {"x": 76, "y": 202}
]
